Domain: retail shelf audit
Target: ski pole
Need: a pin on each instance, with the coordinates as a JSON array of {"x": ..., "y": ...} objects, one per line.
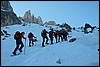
[{"x": 25, "y": 47}]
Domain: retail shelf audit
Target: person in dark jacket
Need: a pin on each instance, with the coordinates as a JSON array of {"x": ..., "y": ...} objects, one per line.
[
  {"x": 30, "y": 36},
  {"x": 44, "y": 36},
  {"x": 18, "y": 37},
  {"x": 65, "y": 33},
  {"x": 60, "y": 36},
  {"x": 51, "y": 33}
]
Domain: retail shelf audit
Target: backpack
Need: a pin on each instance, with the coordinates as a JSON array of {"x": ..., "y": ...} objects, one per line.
[
  {"x": 50, "y": 33},
  {"x": 17, "y": 34},
  {"x": 30, "y": 35}
]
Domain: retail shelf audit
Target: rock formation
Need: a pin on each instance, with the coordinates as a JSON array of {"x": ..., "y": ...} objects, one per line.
[
  {"x": 68, "y": 27},
  {"x": 51, "y": 23},
  {"x": 31, "y": 18},
  {"x": 39, "y": 20},
  {"x": 27, "y": 16},
  {"x": 35, "y": 20},
  {"x": 8, "y": 17}
]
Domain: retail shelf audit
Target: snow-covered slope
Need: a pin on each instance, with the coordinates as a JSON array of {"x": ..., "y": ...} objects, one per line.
[{"x": 82, "y": 52}]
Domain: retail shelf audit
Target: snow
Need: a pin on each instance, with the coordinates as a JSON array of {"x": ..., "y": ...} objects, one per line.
[
  {"x": 5, "y": 10},
  {"x": 82, "y": 52}
]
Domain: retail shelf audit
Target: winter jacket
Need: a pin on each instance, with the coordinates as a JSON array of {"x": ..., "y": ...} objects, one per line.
[
  {"x": 50, "y": 33},
  {"x": 44, "y": 33},
  {"x": 30, "y": 35}
]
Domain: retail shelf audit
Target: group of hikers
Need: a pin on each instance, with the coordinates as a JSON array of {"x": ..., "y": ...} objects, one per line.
[{"x": 59, "y": 35}]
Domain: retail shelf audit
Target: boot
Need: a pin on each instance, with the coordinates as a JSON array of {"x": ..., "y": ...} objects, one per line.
[
  {"x": 32, "y": 44},
  {"x": 29, "y": 45},
  {"x": 20, "y": 50},
  {"x": 47, "y": 43},
  {"x": 14, "y": 53},
  {"x": 43, "y": 46}
]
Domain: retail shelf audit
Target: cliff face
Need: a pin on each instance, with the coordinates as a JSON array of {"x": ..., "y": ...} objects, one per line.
[
  {"x": 31, "y": 18},
  {"x": 27, "y": 16},
  {"x": 8, "y": 17},
  {"x": 39, "y": 20}
]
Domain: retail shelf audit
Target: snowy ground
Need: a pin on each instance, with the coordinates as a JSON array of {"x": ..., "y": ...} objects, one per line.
[{"x": 82, "y": 52}]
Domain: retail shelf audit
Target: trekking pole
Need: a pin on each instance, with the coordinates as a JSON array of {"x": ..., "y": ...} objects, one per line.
[{"x": 25, "y": 47}]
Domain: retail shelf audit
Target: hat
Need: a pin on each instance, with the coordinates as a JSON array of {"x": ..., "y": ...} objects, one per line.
[{"x": 23, "y": 32}]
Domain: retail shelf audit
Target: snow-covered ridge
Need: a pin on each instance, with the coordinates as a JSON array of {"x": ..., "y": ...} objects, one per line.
[{"x": 82, "y": 52}]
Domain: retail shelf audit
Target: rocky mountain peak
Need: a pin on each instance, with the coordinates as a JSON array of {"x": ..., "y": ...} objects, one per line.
[
  {"x": 5, "y": 5},
  {"x": 40, "y": 20},
  {"x": 27, "y": 16},
  {"x": 8, "y": 17},
  {"x": 31, "y": 18}
]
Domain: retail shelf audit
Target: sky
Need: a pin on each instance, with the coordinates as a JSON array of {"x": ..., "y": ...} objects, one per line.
[{"x": 75, "y": 13}]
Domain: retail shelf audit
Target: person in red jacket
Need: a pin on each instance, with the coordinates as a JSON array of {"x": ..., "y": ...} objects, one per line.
[
  {"x": 30, "y": 36},
  {"x": 18, "y": 37}
]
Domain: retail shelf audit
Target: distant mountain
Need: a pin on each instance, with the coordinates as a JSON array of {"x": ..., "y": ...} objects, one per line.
[
  {"x": 31, "y": 18},
  {"x": 27, "y": 16},
  {"x": 8, "y": 17},
  {"x": 50, "y": 23}
]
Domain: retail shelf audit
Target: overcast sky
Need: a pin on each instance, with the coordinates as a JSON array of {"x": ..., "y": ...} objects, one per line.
[{"x": 75, "y": 13}]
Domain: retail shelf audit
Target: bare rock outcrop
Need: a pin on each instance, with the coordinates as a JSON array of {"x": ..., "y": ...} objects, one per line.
[{"x": 8, "y": 17}]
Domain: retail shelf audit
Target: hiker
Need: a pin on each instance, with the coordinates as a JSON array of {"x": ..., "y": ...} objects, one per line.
[
  {"x": 51, "y": 33},
  {"x": 30, "y": 36},
  {"x": 6, "y": 32},
  {"x": 18, "y": 37},
  {"x": 60, "y": 36},
  {"x": 56, "y": 35},
  {"x": 65, "y": 33},
  {"x": 44, "y": 36}
]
